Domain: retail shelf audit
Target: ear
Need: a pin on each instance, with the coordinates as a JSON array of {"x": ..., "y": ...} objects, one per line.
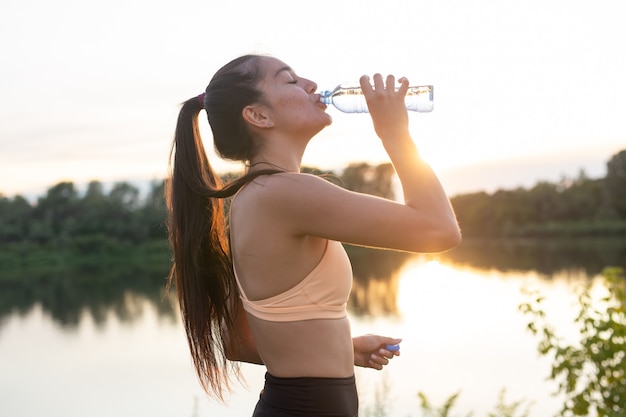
[{"x": 257, "y": 116}]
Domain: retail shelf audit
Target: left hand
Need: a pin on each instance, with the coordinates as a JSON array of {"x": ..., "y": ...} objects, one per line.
[{"x": 370, "y": 352}]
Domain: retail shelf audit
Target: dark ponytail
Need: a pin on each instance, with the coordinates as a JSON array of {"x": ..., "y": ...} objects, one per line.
[{"x": 202, "y": 270}]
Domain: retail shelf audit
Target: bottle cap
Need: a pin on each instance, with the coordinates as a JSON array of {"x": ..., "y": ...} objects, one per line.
[
  {"x": 325, "y": 97},
  {"x": 392, "y": 348}
]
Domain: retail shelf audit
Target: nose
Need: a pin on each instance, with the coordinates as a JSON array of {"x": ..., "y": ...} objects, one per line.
[{"x": 310, "y": 86}]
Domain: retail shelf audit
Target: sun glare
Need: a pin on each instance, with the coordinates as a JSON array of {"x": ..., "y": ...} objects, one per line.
[{"x": 438, "y": 297}]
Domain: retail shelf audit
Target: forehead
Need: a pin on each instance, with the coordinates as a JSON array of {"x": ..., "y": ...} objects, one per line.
[{"x": 273, "y": 66}]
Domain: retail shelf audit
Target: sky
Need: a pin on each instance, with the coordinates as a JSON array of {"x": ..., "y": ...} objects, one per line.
[{"x": 525, "y": 91}]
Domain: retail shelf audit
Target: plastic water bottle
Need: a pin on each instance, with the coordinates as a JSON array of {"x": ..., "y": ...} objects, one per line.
[{"x": 350, "y": 99}]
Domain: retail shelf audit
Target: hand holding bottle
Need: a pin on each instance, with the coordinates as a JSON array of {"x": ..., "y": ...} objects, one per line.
[
  {"x": 348, "y": 98},
  {"x": 386, "y": 106},
  {"x": 430, "y": 210}
]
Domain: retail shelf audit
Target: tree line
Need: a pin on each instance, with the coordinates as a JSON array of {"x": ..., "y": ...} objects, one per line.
[
  {"x": 66, "y": 217},
  {"x": 572, "y": 207}
]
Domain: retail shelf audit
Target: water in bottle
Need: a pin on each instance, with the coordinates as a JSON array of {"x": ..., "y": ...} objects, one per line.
[{"x": 350, "y": 99}]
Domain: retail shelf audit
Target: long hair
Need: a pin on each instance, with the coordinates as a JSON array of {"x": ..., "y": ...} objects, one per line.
[{"x": 202, "y": 270}]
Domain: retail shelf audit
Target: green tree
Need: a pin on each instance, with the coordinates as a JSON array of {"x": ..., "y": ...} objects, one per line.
[
  {"x": 14, "y": 219},
  {"x": 583, "y": 198},
  {"x": 616, "y": 182},
  {"x": 591, "y": 373},
  {"x": 368, "y": 179},
  {"x": 120, "y": 219},
  {"x": 53, "y": 218},
  {"x": 510, "y": 212},
  {"x": 153, "y": 213},
  {"x": 91, "y": 209},
  {"x": 474, "y": 213},
  {"x": 544, "y": 201}
]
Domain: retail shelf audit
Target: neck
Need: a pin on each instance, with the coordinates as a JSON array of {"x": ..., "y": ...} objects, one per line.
[
  {"x": 279, "y": 150},
  {"x": 259, "y": 165},
  {"x": 279, "y": 157}
]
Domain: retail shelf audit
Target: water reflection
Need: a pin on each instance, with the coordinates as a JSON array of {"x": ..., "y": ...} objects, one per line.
[
  {"x": 376, "y": 278},
  {"x": 377, "y": 272},
  {"x": 456, "y": 313},
  {"x": 546, "y": 256},
  {"x": 67, "y": 293}
]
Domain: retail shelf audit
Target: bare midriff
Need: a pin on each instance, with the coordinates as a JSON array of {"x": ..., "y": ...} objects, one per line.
[{"x": 308, "y": 348}]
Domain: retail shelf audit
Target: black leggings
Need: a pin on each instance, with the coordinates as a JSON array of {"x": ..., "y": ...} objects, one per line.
[{"x": 308, "y": 397}]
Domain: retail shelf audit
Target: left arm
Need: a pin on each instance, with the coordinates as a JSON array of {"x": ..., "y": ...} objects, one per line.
[
  {"x": 370, "y": 351},
  {"x": 239, "y": 344}
]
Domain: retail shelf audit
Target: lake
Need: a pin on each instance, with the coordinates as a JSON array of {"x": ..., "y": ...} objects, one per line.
[{"x": 124, "y": 353}]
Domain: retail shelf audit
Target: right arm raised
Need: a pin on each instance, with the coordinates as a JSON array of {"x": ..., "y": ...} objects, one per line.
[
  {"x": 308, "y": 205},
  {"x": 421, "y": 187}
]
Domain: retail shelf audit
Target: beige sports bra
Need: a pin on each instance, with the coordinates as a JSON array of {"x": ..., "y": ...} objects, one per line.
[{"x": 322, "y": 294}]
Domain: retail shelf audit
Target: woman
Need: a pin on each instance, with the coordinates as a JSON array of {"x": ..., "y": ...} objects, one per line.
[{"x": 272, "y": 287}]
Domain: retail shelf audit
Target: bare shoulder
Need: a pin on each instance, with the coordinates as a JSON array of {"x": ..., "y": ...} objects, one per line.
[
  {"x": 278, "y": 188},
  {"x": 282, "y": 192},
  {"x": 292, "y": 198},
  {"x": 294, "y": 178}
]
